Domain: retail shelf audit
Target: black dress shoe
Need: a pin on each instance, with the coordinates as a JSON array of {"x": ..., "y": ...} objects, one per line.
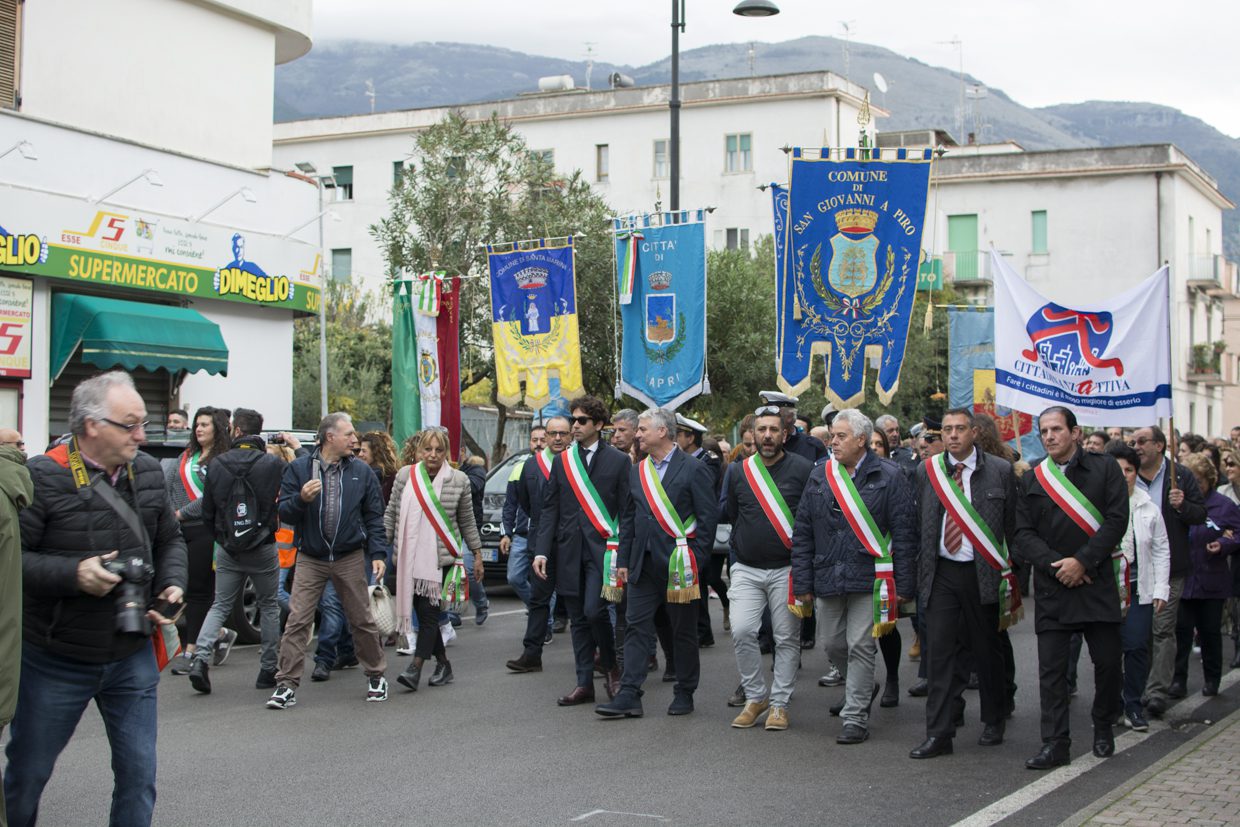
[
  {"x": 1104, "y": 742},
  {"x": 411, "y": 677},
  {"x": 738, "y": 697},
  {"x": 525, "y": 664},
  {"x": 1177, "y": 690},
  {"x": 1209, "y": 689},
  {"x": 932, "y": 747},
  {"x": 891, "y": 695},
  {"x": 443, "y": 674},
  {"x": 852, "y": 734},
  {"x": 807, "y": 644},
  {"x": 919, "y": 689},
  {"x": 1155, "y": 707},
  {"x": 322, "y": 672},
  {"x": 579, "y": 695},
  {"x": 625, "y": 705},
  {"x": 198, "y": 676},
  {"x": 992, "y": 735},
  {"x": 682, "y": 704},
  {"x": 1052, "y": 755}
]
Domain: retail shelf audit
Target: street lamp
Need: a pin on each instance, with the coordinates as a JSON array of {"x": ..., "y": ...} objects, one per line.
[
  {"x": 24, "y": 148},
  {"x": 308, "y": 169},
  {"x": 746, "y": 8}
]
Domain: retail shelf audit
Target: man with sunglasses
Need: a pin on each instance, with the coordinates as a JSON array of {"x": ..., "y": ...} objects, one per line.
[
  {"x": 10, "y": 437},
  {"x": 97, "y": 501},
  {"x": 1182, "y": 506},
  {"x": 586, "y": 493}
]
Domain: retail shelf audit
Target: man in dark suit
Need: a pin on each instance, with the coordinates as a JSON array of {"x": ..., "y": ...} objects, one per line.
[
  {"x": 689, "y": 433},
  {"x": 646, "y": 549},
  {"x": 1074, "y": 587},
  {"x": 1182, "y": 506},
  {"x": 531, "y": 488},
  {"x": 569, "y": 550},
  {"x": 958, "y": 585}
]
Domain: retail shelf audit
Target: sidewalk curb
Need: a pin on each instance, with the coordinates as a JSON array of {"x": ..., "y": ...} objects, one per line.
[{"x": 1197, "y": 742}]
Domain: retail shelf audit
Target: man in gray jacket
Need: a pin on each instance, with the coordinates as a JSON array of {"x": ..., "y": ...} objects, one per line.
[{"x": 958, "y": 584}]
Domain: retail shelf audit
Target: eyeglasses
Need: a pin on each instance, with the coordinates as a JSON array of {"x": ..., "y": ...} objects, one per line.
[
  {"x": 583, "y": 420},
  {"x": 558, "y": 433},
  {"x": 1141, "y": 440},
  {"x": 130, "y": 428}
]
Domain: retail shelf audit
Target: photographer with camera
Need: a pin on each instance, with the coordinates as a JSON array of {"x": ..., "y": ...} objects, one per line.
[{"x": 103, "y": 561}]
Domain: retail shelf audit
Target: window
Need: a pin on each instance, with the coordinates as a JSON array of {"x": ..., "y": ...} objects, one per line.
[
  {"x": 602, "y": 163},
  {"x": 344, "y": 183},
  {"x": 737, "y": 155},
  {"x": 342, "y": 264},
  {"x": 737, "y": 238},
  {"x": 10, "y": 52},
  {"x": 1038, "y": 231},
  {"x": 661, "y": 169},
  {"x": 547, "y": 156},
  {"x": 398, "y": 169}
]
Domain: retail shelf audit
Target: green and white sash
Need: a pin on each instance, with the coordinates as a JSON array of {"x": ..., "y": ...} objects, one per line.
[
  {"x": 430, "y": 293},
  {"x": 877, "y": 544},
  {"x": 592, "y": 504},
  {"x": 682, "y": 568},
  {"x": 433, "y": 510},
  {"x": 980, "y": 536},
  {"x": 1085, "y": 514},
  {"x": 768, "y": 496}
]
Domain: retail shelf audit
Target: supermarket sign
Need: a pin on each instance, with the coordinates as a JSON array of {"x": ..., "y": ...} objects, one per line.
[{"x": 67, "y": 238}]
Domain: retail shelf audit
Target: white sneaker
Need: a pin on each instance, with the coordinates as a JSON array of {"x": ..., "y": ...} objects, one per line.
[
  {"x": 282, "y": 698},
  {"x": 376, "y": 690},
  {"x": 447, "y": 633}
]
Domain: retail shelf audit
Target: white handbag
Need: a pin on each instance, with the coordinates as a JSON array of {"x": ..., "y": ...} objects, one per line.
[{"x": 383, "y": 610}]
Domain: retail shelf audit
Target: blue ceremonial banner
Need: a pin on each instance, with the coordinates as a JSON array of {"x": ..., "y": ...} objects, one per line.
[
  {"x": 852, "y": 246},
  {"x": 971, "y": 377},
  {"x": 534, "y": 321},
  {"x": 663, "y": 355}
]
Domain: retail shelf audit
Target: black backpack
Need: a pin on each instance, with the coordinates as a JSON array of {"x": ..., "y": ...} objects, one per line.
[{"x": 241, "y": 524}]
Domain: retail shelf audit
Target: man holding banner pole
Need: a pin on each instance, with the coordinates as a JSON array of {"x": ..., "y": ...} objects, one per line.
[{"x": 1070, "y": 519}]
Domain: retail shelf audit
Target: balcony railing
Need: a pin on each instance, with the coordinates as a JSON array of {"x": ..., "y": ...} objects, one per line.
[{"x": 1207, "y": 273}]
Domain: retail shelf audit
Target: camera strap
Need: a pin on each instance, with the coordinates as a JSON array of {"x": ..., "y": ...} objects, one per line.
[{"x": 82, "y": 479}]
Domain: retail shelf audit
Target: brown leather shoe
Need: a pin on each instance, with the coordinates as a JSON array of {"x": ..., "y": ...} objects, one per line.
[
  {"x": 611, "y": 683},
  {"x": 579, "y": 695},
  {"x": 750, "y": 714}
]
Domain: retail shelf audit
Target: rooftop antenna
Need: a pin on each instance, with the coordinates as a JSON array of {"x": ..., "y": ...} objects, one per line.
[
  {"x": 370, "y": 93},
  {"x": 752, "y": 56},
  {"x": 590, "y": 44},
  {"x": 849, "y": 27},
  {"x": 959, "y": 44}
]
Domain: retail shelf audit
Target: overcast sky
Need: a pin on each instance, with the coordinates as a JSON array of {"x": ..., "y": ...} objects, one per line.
[{"x": 1184, "y": 54}]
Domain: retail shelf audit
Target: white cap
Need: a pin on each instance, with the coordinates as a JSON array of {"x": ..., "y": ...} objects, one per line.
[
  {"x": 782, "y": 400},
  {"x": 690, "y": 424}
]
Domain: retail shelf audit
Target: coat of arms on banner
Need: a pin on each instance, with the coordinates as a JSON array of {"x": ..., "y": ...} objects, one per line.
[{"x": 847, "y": 266}]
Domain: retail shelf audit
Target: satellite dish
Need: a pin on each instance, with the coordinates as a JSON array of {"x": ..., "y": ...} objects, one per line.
[{"x": 880, "y": 82}]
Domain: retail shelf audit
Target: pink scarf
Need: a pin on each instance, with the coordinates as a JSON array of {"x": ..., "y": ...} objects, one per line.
[{"x": 417, "y": 551}]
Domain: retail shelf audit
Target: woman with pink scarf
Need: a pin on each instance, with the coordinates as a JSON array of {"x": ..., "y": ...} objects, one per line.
[{"x": 430, "y": 521}]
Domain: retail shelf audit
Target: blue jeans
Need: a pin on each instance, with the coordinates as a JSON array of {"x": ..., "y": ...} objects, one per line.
[
  {"x": 335, "y": 637},
  {"x": 53, "y": 694},
  {"x": 519, "y": 561},
  {"x": 282, "y": 595}
]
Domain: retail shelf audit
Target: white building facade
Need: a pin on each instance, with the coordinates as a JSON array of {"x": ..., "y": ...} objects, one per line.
[{"x": 141, "y": 222}]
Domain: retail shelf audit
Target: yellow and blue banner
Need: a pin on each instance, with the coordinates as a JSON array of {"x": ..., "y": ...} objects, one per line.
[
  {"x": 661, "y": 266},
  {"x": 534, "y": 320},
  {"x": 850, "y": 223}
]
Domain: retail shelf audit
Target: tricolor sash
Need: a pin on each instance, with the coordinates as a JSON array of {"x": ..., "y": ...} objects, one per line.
[
  {"x": 190, "y": 476},
  {"x": 1085, "y": 514},
  {"x": 628, "y": 267},
  {"x": 768, "y": 496},
  {"x": 682, "y": 568},
  {"x": 455, "y": 592},
  {"x": 592, "y": 504},
  {"x": 433, "y": 510},
  {"x": 544, "y": 458},
  {"x": 877, "y": 544},
  {"x": 430, "y": 293},
  {"x": 980, "y": 536}
]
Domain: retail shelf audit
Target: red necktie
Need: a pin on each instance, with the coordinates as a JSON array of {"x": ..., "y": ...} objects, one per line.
[{"x": 951, "y": 529}]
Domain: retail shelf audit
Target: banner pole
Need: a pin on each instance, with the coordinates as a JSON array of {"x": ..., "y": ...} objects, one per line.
[{"x": 1171, "y": 375}]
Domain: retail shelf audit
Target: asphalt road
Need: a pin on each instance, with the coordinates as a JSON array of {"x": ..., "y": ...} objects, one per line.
[{"x": 493, "y": 748}]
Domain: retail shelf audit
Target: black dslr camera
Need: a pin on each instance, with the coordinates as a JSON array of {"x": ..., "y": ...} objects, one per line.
[{"x": 131, "y": 594}]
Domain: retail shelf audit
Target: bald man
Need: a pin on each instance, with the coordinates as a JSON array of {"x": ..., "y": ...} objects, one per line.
[{"x": 8, "y": 436}]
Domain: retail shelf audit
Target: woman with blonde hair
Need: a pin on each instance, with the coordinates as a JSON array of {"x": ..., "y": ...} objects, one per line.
[{"x": 430, "y": 522}]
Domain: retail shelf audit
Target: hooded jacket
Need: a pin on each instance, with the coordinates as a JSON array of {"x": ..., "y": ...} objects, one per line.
[{"x": 16, "y": 493}]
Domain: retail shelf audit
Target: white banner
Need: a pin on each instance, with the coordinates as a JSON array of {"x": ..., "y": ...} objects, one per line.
[
  {"x": 1109, "y": 362},
  {"x": 428, "y": 368}
]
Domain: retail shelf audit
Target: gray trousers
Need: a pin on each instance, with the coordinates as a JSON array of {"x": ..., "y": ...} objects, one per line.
[
  {"x": 262, "y": 565},
  {"x": 846, "y": 623},
  {"x": 750, "y": 591},
  {"x": 1162, "y": 653}
]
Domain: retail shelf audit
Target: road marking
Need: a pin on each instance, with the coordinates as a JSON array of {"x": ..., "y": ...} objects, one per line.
[
  {"x": 593, "y": 813},
  {"x": 1056, "y": 778}
]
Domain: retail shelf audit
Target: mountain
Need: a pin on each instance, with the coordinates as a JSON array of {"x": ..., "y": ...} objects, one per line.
[{"x": 332, "y": 78}]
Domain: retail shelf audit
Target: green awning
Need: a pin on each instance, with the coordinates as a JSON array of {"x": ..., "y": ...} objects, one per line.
[{"x": 113, "y": 333}]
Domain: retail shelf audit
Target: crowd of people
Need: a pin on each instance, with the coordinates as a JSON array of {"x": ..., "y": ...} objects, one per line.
[{"x": 832, "y": 532}]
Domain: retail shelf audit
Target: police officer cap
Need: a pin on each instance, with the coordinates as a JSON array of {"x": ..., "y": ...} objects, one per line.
[
  {"x": 930, "y": 425},
  {"x": 684, "y": 423},
  {"x": 778, "y": 399}
]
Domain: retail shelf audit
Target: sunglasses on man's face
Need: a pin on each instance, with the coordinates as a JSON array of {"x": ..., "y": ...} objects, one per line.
[{"x": 582, "y": 420}]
